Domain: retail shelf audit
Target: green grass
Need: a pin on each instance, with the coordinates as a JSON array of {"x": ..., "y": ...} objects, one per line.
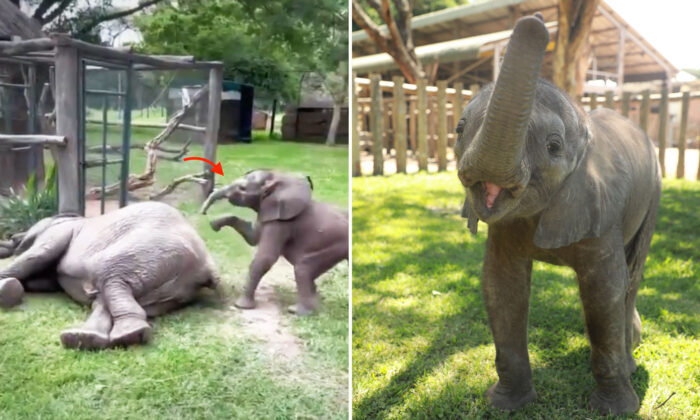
[
  {"x": 201, "y": 362},
  {"x": 421, "y": 343}
]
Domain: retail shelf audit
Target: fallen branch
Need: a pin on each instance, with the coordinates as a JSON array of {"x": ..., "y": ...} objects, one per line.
[
  {"x": 197, "y": 178},
  {"x": 662, "y": 404}
]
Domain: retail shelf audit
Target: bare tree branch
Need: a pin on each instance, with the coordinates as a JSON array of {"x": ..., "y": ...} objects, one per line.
[
  {"x": 43, "y": 7},
  {"x": 117, "y": 14},
  {"x": 55, "y": 12}
]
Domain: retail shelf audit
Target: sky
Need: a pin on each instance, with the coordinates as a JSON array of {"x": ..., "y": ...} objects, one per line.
[{"x": 670, "y": 26}]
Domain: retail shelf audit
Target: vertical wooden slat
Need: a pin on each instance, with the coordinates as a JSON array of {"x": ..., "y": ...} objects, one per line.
[
  {"x": 413, "y": 138},
  {"x": 432, "y": 127},
  {"x": 211, "y": 136},
  {"x": 387, "y": 115},
  {"x": 594, "y": 101},
  {"x": 399, "y": 124},
  {"x": 356, "y": 168},
  {"x": 626, "y": 104},
  {"x": 680, "y": 169},
  {"x": 422, "y": 125},
  {"x": 442, "y": 125},
  {"x": 609, "y": 100},
  {"x": 474, "y": 88},
  {"x": 458, "y": 107},
  {"x": 67, "y": 94},
  {"x": 376, "y": 123},
  {"x": 644, "y": 111},
  {"x": 663, "y": 121}
]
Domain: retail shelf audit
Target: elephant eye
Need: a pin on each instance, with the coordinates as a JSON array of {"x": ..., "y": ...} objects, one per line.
[
  {"x": 460, "y": 126},
  {"x": 554, "y": 144}
]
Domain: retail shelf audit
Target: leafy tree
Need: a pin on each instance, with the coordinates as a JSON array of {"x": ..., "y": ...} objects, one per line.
[{"x": 268, "y": 44}]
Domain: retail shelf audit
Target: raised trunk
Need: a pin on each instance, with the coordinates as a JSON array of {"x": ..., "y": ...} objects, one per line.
[
  {"x": 214, "y": 197},
  {"x": 495, "y": 155}
]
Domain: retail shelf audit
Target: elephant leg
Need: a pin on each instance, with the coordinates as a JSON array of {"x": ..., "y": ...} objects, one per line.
[
  {"x": 11, "y": 292},
  {"x": 506, "y": 289},
  {"x": 308, "y": 270},
  {"x": 269, "y": 251},
  {"x": 130, "y": 326},
  {"x": 249, "y": 231},
  {"x": 603, "y": 286},
  {"x": 94, "y": 333},
  {"x": 45, "y": 251}
]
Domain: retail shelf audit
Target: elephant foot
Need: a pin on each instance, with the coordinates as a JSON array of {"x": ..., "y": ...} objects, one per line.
[
  {"x": 11, "y": 292},
  {"x": 77, "y": 338},
  {"x": 245, "y": 302},
  {"x": 127, "y": 332},
  {"x": 619, "y": 400},
  {"x": 301, "y": 310},
  {"x": 504, "y": 399},
  {"x": 215, "y": 225}
]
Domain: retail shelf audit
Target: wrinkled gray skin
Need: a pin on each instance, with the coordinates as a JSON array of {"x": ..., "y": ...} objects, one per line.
[
  {"x": 312, "y": 236},
  {"x": 142, "y": 260},
  {"x": 558, "y": 186}
]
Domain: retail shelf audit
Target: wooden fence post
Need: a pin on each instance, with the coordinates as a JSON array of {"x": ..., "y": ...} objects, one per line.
[
  {"x": 644, "y": 111},
  {"x": 680, "y": 168},
  {"x": 474, "y": 88},
  {"x": 422, "y": 125},
  {"x": 663, "y": 121},
  {"x": 413, "y": 138},
  {"x": 211, "y": 137},
  {"x": 376, "y": 122},
  {"x": 67, "y": 103},
  {"x": 609, "y": 100},
  {"x": 442, "y": 125},
  {"x": 457, "y": 108},
  {"x": 399, "y": 125},
  {"x": 626, "y": 104},
  {"x": 594, "y": 101},
  {"x": 356, "y": 168}
]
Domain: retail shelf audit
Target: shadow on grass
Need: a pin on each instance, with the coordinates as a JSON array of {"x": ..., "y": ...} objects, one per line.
[{"x": 403, "y": 250}]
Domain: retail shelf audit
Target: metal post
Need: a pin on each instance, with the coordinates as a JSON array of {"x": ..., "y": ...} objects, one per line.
[
  {"x": 104, "y": 153},
  {"x": 82, "y": 109},
  {"x": 126, "y": 137}
]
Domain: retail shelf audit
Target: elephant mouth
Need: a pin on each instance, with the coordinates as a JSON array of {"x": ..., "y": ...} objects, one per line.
[{"x": 491, "y": 202}]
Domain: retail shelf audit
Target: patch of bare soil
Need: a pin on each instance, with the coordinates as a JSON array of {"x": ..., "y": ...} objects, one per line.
[{"x": 266, "y": 322}]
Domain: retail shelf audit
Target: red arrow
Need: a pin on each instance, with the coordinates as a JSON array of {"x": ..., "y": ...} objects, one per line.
[{"x": 216, "y": 168}]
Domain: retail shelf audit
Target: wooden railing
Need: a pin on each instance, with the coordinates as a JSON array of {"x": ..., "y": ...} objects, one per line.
[{"x": 406, "y": 128}]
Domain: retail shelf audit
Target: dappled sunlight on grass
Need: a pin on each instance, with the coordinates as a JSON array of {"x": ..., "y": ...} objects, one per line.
[{"x": 421, "y": 343}]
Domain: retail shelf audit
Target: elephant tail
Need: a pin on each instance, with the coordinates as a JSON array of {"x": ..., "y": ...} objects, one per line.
[{"x": 638, "y": 249}]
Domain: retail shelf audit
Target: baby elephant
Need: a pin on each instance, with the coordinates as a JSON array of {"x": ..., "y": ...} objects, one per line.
[
  {"x": 312, "y": 236},
  {"x": 142, "y": 260}
]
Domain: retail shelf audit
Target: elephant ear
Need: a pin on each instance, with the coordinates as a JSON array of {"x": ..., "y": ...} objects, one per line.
[
  {"x": 284, "y": 197},
  {"x": 582, "y": 208}
]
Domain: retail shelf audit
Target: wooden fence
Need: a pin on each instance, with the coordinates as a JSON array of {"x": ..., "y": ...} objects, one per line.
[{"x": 394, "y": 122}]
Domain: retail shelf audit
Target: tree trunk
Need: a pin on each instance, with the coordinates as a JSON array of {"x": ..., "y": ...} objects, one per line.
[
  {"x": 572, "y": 50},
  {"x": 335, "y": 121}
]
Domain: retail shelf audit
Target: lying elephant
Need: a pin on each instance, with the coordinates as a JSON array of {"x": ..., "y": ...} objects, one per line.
[
  {"x": 142, "y": 260},
  {"x": 556, "y": 185},
  {"x": 312, "y": 236}
]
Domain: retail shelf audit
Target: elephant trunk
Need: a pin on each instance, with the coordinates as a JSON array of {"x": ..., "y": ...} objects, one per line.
[
  {"x": 496, "y": 154},
  {"x": 215, "y": 196}
]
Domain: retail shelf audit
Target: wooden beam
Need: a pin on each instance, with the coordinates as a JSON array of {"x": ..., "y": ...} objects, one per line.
[
  {"x": 356, "y": 166},
  {"x": 27, "y": 46},
  {"x": 663, "y": 121},
  {"x": 468, "y": 69},
  {"x": 680, "y": 168},
  {"x": 67, "y": 107},
  {"x": 422, "y": 125},
  {"x": 644, "y": 111},
  {"x": 186, "y": 127},
  {"x": 376, "y": 123},
  {"x": 399, "y": 114},
  {"x": 442, "y": 126},
  {"x": 32, "y": 139},
  {"x": 211, "y": 136}
]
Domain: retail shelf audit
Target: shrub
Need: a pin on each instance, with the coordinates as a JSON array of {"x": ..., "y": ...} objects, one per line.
[{"x": 17, "y": 213}]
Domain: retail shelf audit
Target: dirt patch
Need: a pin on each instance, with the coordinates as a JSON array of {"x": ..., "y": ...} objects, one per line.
[{"x": 266, "y": 322}]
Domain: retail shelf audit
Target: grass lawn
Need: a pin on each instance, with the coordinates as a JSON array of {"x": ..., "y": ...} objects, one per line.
[
  {"x": 421, "y": 342},
  {"x": 207, "y": 360}
]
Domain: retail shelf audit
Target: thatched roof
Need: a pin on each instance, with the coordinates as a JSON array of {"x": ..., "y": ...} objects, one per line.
[{"x": 15, "y": 23}]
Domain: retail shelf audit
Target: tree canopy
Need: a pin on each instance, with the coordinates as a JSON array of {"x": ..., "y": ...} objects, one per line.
[{"x": 269, "y": 44}]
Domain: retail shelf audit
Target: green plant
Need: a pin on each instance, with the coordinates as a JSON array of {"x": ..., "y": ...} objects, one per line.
[{"x": 19, "y": 213}]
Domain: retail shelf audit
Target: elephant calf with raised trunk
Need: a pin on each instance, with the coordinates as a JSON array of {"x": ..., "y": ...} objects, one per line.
[
  {"x": 139, "y": 261},
  {"x": 312, "y": 236},
  {"x": 557, "y": 185}
]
